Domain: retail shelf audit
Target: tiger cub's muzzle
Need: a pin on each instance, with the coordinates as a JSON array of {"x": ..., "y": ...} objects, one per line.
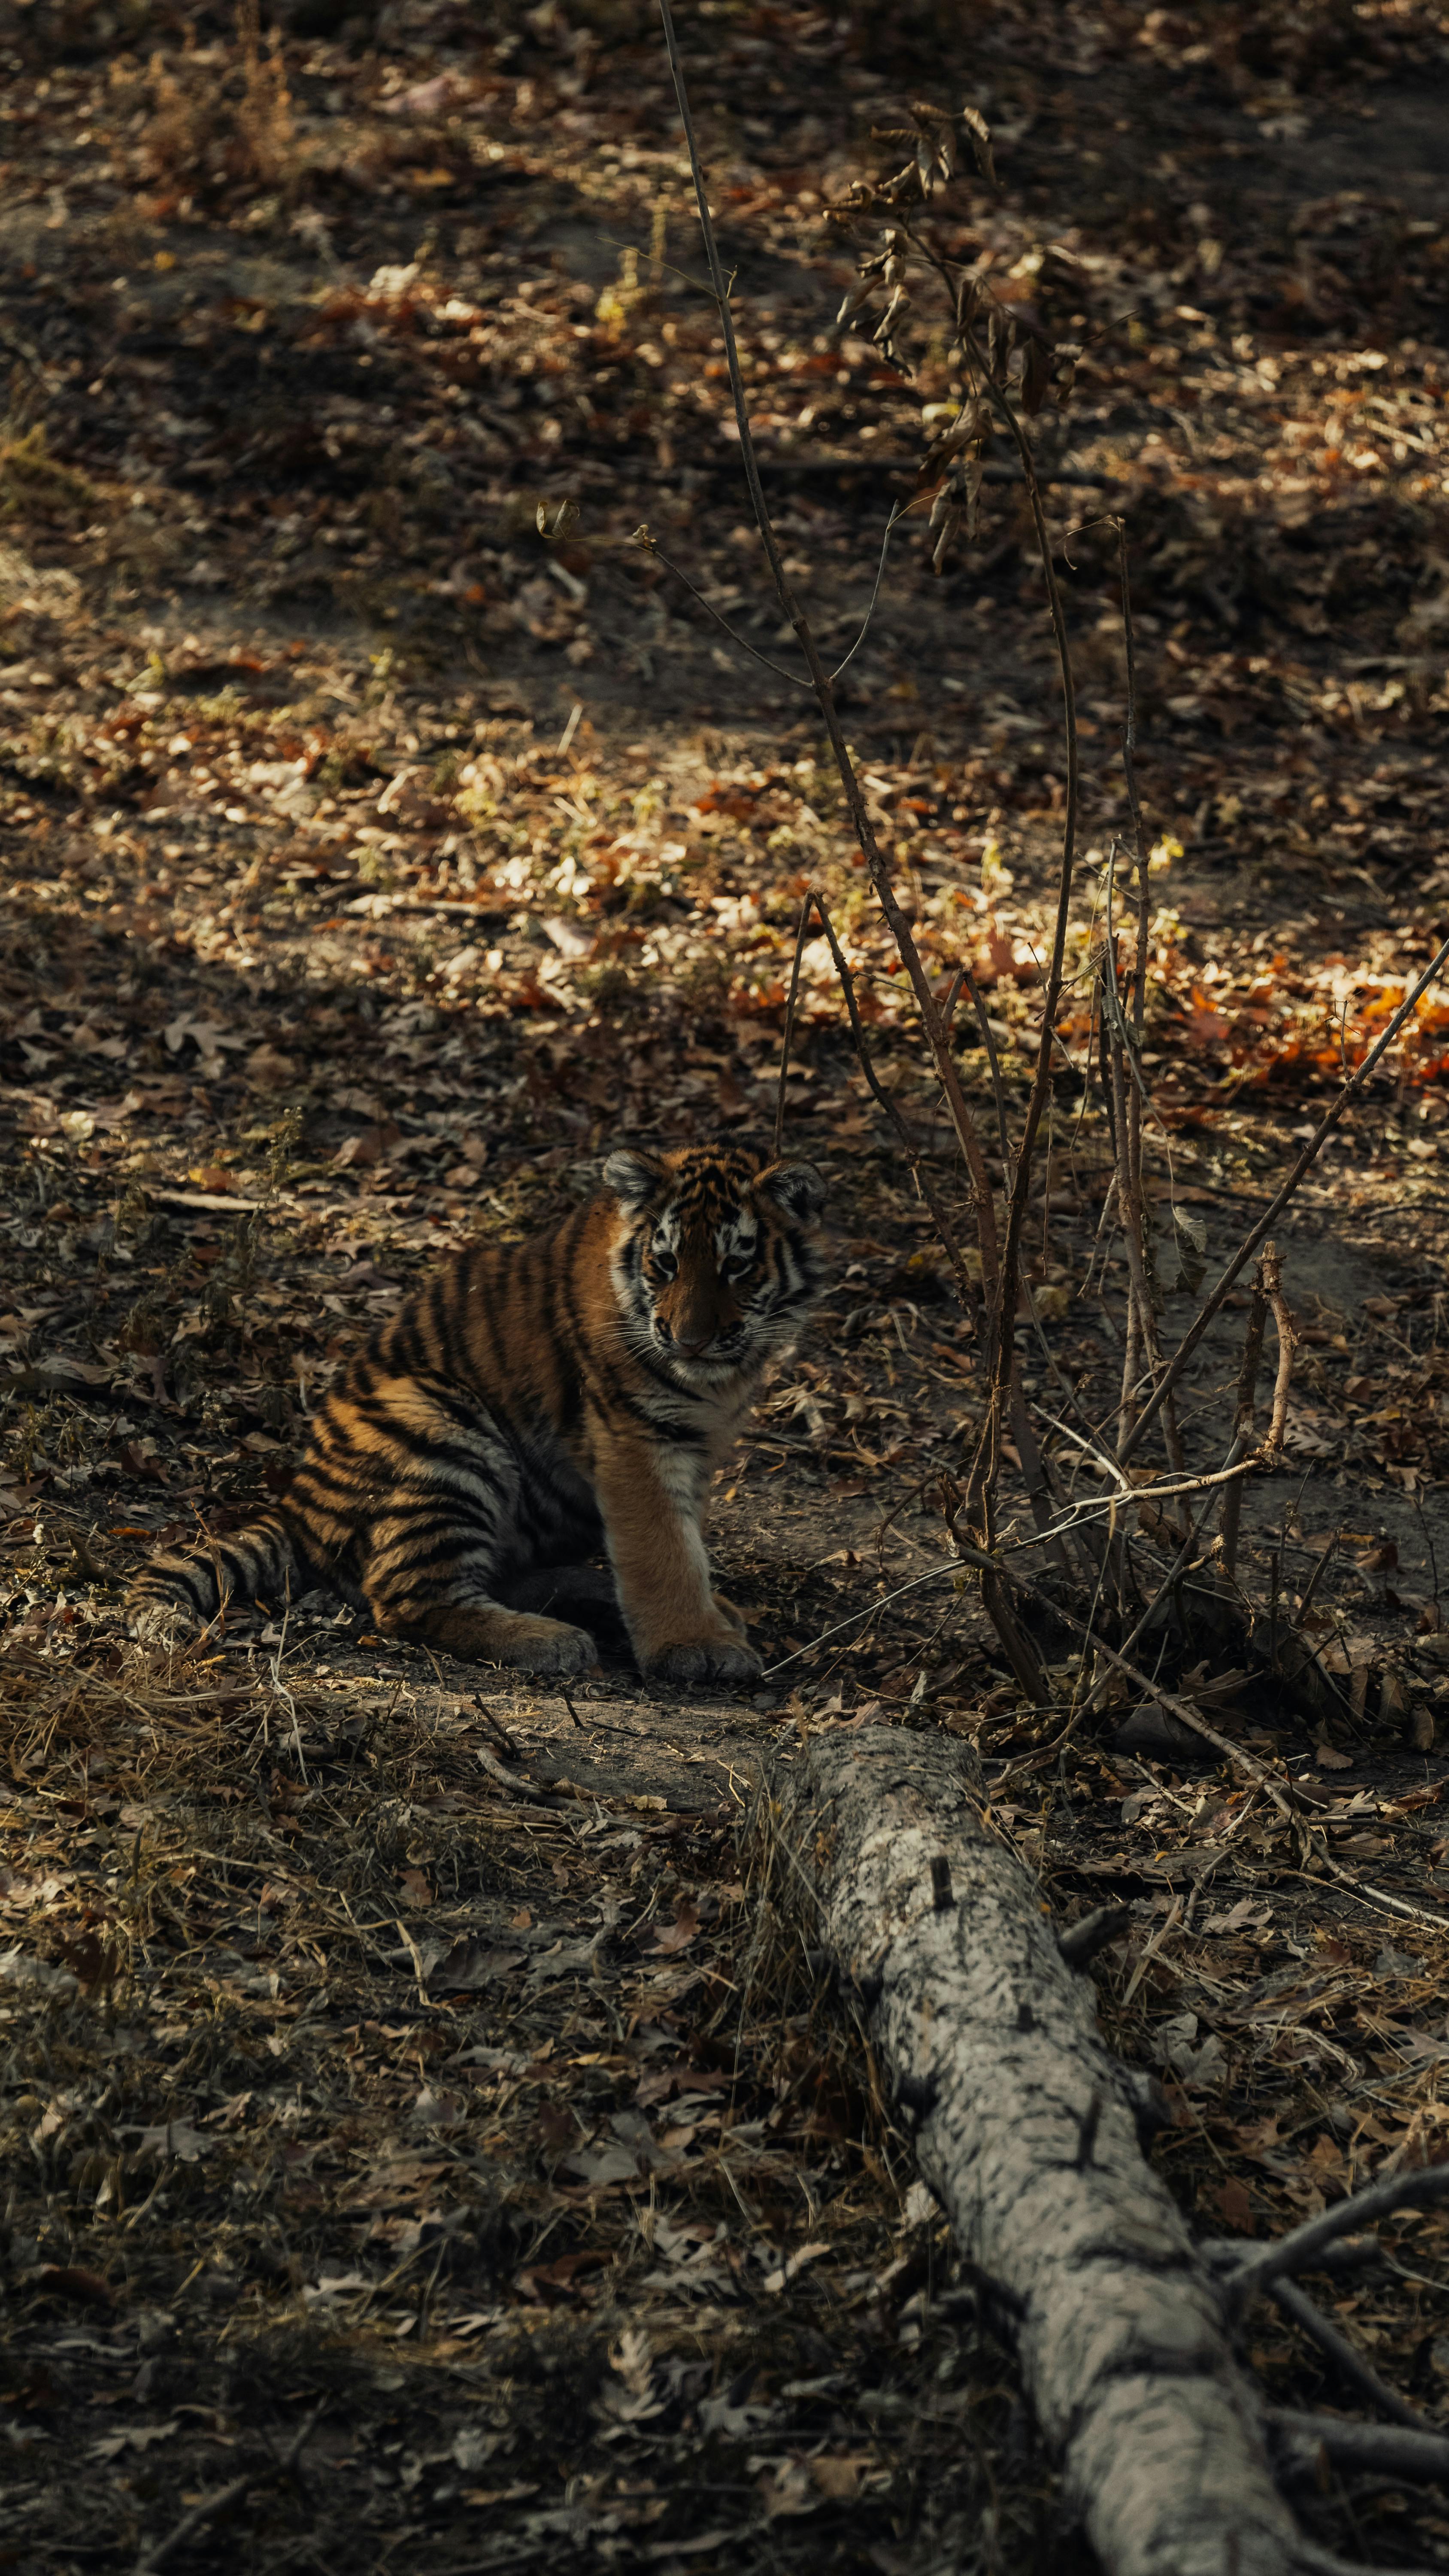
[{"x": 698, "y": 1319}]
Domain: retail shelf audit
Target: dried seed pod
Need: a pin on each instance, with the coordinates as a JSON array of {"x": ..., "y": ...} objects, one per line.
[
  {"x": 949, "y": 525},
  {"x": 980, "y": 133},
  {"x": 955, "y": 507},
  {"x": 884, "y": 334},
  {"x": 1036, "y": 376},
  {"x": 562, "y": 524},
  {"x": 970, "y": 424},
  {"x": 857, "y": 295},
  {"x": 968, "y": 301}
]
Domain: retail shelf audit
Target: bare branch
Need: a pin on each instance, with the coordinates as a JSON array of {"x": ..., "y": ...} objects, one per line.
[
  {"x": 1296, "y": 2252},
  {"x": 1243, "y": 1420},
  {"x": 1265, "y": 1223},
  {"x": 1394, "y": 2450},
  {"x": 1350, "y": 2365},
  {"x": 914, "y": 1159},
  {"x": 1287, "y": 1338},
  {"x": 778, "y": 1141},
  {"x": 1081, "y": 1941}
]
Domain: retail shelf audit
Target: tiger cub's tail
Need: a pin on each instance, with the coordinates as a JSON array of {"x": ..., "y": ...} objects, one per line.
[{"x": 259, "y": 1562}]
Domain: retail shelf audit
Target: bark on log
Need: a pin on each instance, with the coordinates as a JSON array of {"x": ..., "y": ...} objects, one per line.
[{"x": 1026, "y": 2127}]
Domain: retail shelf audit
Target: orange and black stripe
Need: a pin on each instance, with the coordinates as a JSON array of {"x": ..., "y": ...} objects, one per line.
[{"x": 533, "y": 1405}]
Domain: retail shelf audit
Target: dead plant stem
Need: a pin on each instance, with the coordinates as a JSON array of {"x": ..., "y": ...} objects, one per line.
[
  {"x": 1283, "y": 1327},
  {"x": 1129, "y": 772},
  {"x": 1269, "y": 1218},
  {"x": 998, "y": 1092},
  {"x": 914, "y": 1160},
  {"x": 1244, "y": 1417},
  {"x": 1019, "y": 1193},
  {"x": 1350, "y": 2365},
  {"x": 900, "y": 929}
]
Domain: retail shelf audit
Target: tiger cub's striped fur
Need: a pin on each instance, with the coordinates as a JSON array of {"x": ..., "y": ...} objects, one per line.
[{"x": 537, "y": 1403}]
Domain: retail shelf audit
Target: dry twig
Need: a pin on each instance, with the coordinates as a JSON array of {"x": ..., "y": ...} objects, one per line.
[
  {"x": 1299, "y": 2250},
  {"x": 1350, "y": 2365},
  {"x": 1287, "y": 1190},
  {"x": 208, "y": 2509},
  {"x": 1394, "y": 2450}
]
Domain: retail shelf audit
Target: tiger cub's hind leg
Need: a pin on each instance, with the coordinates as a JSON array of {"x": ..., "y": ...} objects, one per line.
[
  {"x": 484, "y": 1632},
  {"x": 433, "y": 1583},
  {"x": 585, "y": 1596}
]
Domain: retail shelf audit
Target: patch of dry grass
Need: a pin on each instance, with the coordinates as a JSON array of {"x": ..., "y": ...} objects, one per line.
[{"x": 517, "y": 2138}]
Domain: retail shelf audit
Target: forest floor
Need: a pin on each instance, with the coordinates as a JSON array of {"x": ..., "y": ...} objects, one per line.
[{"x": 405, "y": 2165}]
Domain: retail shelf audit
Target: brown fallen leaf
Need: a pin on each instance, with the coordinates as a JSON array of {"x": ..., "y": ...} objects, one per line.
[
  {"x": 368, "y": 1146},
  {"x": 1234, "y": 2205},
  {"x": 789, "y": 2489},
  {"x": 840, "y": 2478},
  {"x": 679, "y": 1934},
  {"x": 93, "y": 1961},
  {"x": 268, "y": 1070},
  {"x": 471, "y": 1964},
  {"x": 417, "y": 1884},
  {"x": 548, "y": 2283},
  {"x": 137, "y": 1462}
]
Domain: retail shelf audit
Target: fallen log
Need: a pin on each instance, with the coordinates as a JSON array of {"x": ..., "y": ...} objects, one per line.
[{"x": 1029, "y": 2132}]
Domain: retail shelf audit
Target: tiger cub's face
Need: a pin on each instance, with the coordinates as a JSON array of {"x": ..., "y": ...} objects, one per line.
[{"x": 717, "y": 1265}]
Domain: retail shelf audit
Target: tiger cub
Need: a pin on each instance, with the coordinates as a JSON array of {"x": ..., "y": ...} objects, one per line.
[{"x": 533, "y": 1405}]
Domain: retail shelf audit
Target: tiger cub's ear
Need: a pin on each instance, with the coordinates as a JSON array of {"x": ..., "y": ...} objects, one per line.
[
  {"x": 796, "y": 1187},
  {"x": 633, "y": 1176}
]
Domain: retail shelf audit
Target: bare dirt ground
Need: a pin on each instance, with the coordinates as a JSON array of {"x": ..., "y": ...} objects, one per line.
[{"x": 476, "y": 2170}]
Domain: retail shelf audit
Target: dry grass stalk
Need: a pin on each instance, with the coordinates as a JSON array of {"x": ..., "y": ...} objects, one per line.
[{"x": 986, "y": 334}]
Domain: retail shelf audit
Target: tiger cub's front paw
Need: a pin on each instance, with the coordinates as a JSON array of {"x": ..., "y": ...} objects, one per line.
[
  {"x": 732, "y": 1617},
  {"x": 704, "y": 1659}
]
